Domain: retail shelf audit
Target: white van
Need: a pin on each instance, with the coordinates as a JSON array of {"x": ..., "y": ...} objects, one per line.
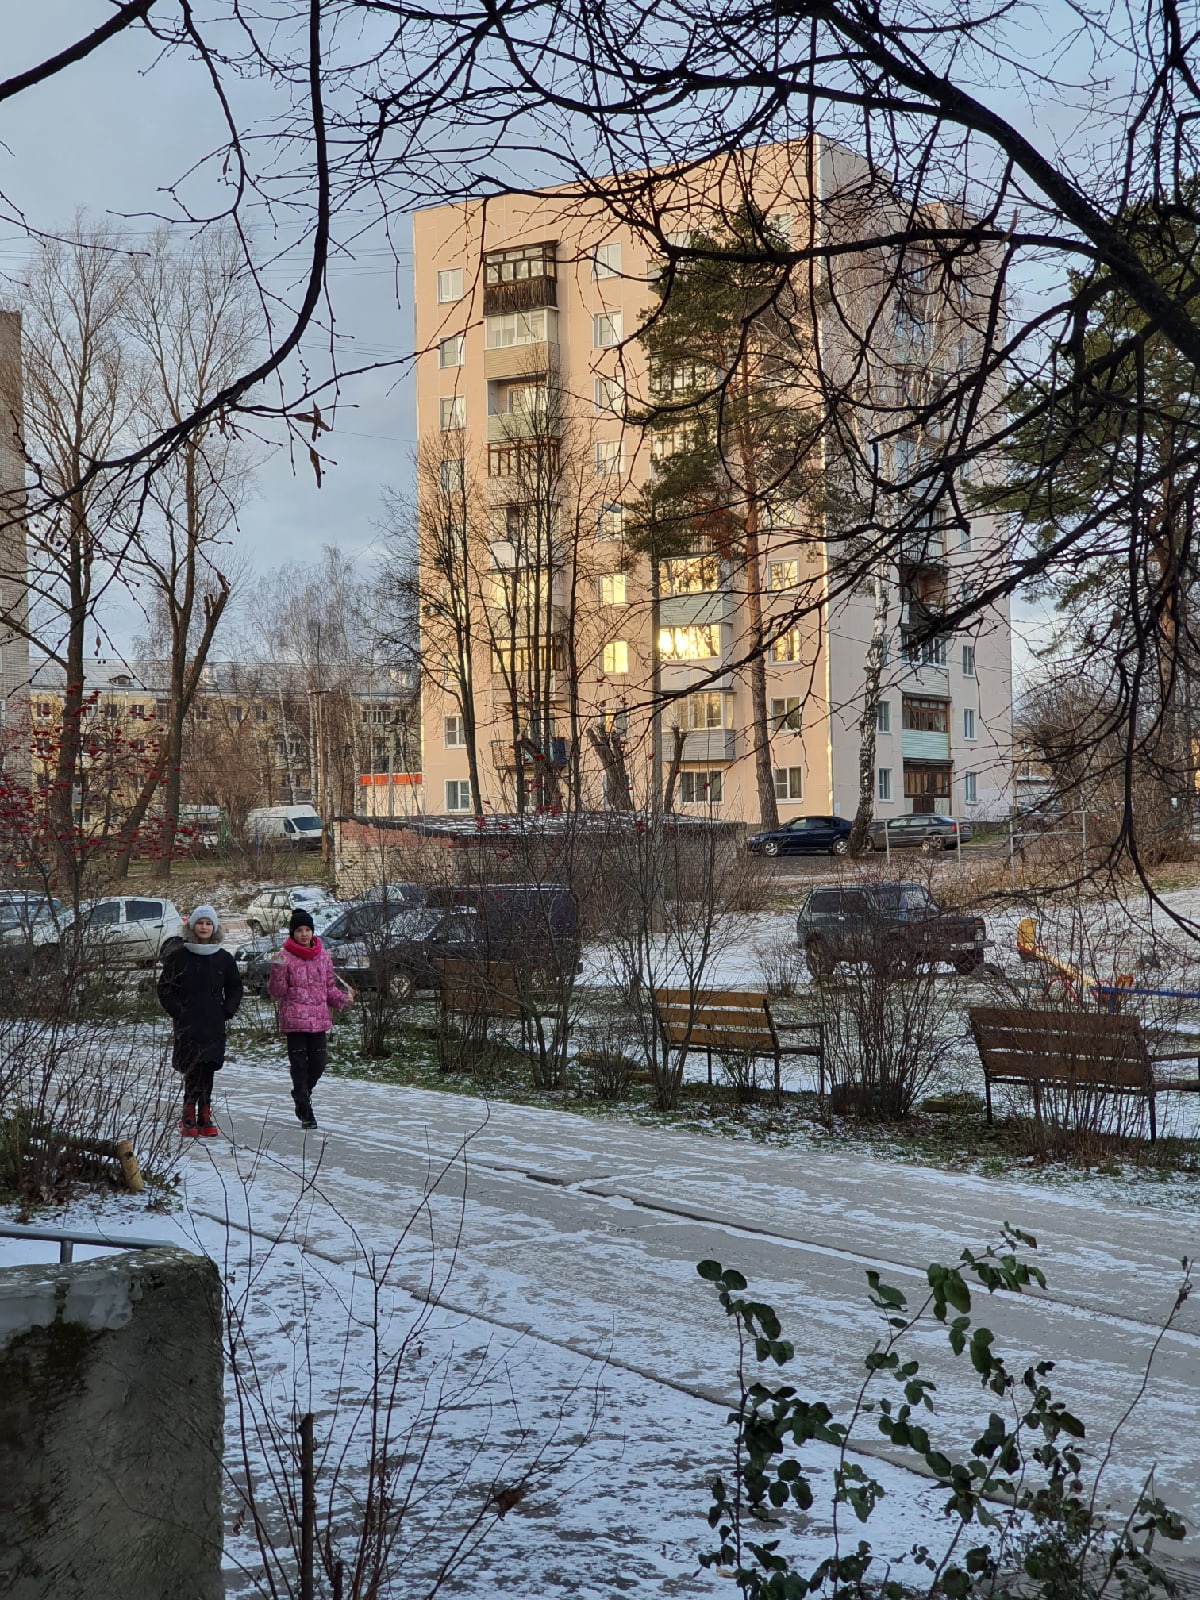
[{"x": 298, "y": 826}]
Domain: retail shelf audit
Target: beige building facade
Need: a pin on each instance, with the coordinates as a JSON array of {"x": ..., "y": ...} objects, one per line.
[{"x": 527, "y": 373}]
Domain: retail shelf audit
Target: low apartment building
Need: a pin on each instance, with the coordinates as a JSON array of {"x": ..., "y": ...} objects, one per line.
[{"x": 582, "y": 665}]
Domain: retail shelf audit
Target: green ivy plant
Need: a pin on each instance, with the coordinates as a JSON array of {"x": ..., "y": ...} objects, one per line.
[{"x": 1018, "y": 1505}]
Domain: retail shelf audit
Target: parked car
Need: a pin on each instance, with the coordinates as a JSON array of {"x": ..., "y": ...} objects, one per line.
[
  {"x": 531, "y": 923},
  {"x": 827, "y": 835},
  {"x": 271, "y": 909},
  {"x": 335, "y": 924},
  {"x": 889, "y": 925},
  {"x": 130, "y": 929},
  {"x": 926, "y": 831},
  {"x": 28, "y": 921},
  {"x": 298, "y": 826}
]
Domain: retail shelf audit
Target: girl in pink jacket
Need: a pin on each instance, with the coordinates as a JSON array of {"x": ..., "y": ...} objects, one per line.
[{"x": 303, "y": 985}]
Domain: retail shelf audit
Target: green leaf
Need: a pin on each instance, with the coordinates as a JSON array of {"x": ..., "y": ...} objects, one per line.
[{"x": 710, "y": 1271}]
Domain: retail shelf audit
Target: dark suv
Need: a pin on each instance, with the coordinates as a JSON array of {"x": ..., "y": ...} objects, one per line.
[{"x": 890, "y": 925}]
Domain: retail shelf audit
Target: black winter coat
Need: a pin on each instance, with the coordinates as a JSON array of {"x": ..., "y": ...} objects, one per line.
[{"x": 199, "y": 994}]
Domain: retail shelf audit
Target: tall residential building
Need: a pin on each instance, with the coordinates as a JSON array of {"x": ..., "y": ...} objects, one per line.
[
  {"x": 14, "y": 644},
  {"x": 540, "y": 627}
]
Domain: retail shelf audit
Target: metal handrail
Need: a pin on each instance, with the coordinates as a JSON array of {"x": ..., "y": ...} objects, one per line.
[{"x": 69, "y": 1237}]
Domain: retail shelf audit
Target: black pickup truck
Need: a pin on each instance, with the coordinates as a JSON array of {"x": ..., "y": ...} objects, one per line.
[{"x": 892, "y": 926}]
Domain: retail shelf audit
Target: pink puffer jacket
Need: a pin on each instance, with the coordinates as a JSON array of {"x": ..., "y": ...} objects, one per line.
[{"x": 304, "y": 988}]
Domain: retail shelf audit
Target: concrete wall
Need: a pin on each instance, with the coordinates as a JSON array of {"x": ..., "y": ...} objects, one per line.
[{"x": 111, "y": 1429}]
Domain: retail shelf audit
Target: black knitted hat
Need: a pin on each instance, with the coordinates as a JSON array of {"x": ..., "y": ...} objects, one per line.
[{"x": 299, "y": 919}]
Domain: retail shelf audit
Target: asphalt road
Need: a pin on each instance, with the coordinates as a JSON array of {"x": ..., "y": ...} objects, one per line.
[{"x": 585, "y": 1233}]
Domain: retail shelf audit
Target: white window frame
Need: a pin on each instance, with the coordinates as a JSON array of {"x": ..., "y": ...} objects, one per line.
[
  {"x": 614, "y": 589},
  {"x": 450, "y": 351},
  {"x": 606, "y": 330},
  {"x": 452, "y": 413},
  {"x": 610, "y": 458},
  {"x": 883, "y": 716},
  {"x": 708, "y": 782},
  {"x": 606, "y": 260},
  {"x": 969, "y": 723},
  {"x": 786, "y": 711},
  {"x": 790, "y": 642},
  {"x": 883, "y": 785},
  {"x": 968, "y": 660},
  {"x": 452, "y": 475},
  {"x": 789, "y": 783},
  {"x": 454, "y": 731},
  {"x": 783, "y": 574},
  {"x": 610, "y": 522},
  {"x": 676, "y": 644},
  {"x": 509, "y": 330},
  {"x": 614, "y": 658},
  {"x": 460, "y": 786},
  {"x": 449, "y": 285},
  {"x": 970, "y": 788},
  {"x": 608, "y": 395},
  {"x": 698, "y": 707}
]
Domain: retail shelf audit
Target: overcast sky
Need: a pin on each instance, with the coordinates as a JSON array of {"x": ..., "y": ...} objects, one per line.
[{"x": 108, "y": 136}]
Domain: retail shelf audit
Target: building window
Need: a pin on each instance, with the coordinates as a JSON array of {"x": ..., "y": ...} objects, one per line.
[
  {"x": 783, "y": 574},
  {"x": 260, "y": 713},
  {"x": 610, "y": 458},
  {"x": 666, "y": 442},
  {"x": 883, "y": 717},
  {"x": 785, "y": 714},
  {"x": 453, "y": 413},
  {"x": 968, "y": 723},
  {"x": 970, "y": 788},
  {"x": 449, "y": 285},
  {"x": 690, "y": 575},
  {"x": 787, "y": 646},
  {"x": 700, "y": 788},
  {"x": 789, "y": 783},
  {"x": 450, "y": 351},
  {"x": 964, "y": 540},
  {"x": 699, "y": 642},
  {"x": 610, "y": 523},
  {"x": 44, "y": 708},
  {"x": 612, "y": 589},
  {"x": 968, "y": 660},
  {"x": 705, "y": 711},
  {"x": 606, "y": 330},
  {"x": 520, "y": 327},
  {"x": 606, "y": 261},
  {"x": 921, "y": 715},
  {"x": 609, "y": 394},
  {"x": 458, "y": 794},
  {"x": 515, "y": 266},
  {"x": 614, "y": 658},
  {"x": 452, "y": 474},
  {"x": 883, "y": 783},
  {"x": 454, "y": 732}
]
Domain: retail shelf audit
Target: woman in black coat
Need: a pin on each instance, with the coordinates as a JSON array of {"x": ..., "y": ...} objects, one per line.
[{"x": 200, "y": 989}]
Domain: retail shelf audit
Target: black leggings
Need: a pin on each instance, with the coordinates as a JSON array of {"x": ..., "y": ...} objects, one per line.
[
  {"x": 306, "y": 1058},
  {"x": 198, "y": 1083}
]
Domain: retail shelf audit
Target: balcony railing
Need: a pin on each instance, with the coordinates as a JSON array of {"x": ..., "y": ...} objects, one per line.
[{"x": 528, "y": 294}]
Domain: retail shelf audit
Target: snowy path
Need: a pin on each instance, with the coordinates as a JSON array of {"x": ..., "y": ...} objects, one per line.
[{"x": 581, "y": 1236}]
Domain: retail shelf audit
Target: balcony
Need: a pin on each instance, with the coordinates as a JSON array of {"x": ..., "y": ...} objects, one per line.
[
  {"x": 918, "y": 746},
  {"x": 710, "y": 744},
  {"x": 923, "y": 547},
  {"x": 684, "y": 610},
  {"x": 526, "y": 294}
]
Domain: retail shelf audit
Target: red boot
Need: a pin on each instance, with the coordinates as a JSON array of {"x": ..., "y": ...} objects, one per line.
[
  {"x": 206, "y": 1126},
  {"x": 187, "y": 1123}
]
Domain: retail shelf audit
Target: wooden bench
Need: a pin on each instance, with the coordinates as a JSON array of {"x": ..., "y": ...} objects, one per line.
[
  {"x": 1070, "y": 1050},
  {"x": 734, "y": 1020}
]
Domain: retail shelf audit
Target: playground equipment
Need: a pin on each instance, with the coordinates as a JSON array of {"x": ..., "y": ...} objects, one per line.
[{"x": 1065, "y": 981}]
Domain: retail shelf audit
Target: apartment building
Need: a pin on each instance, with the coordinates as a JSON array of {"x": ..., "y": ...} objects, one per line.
[{"x": 549, "y": 634}]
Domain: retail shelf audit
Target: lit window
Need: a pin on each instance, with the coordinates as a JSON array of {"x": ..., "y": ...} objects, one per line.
[
  {"x": 450, "y": 285},
  {"x": 968, "y": 723},
  {"x": 452, "y": 474},
  {"x": 610, "y": 523},
  {"x": 610, "y": 458},
  {"x": 690, "y": 575},
  {"x": 787, "y": 646},
  {"x": 785, "y": 714},
  {"x": 612, "y": 589},
  {"x": 458, "y": 794},
  {"x": 609, "y": 394},
  {"x": 968, "y": 659},
  {"x": 454, "y": 732},
  {"x": 705, "y": 711},
  {"x": 606, "y": 330},
  {"x": 614, "y": 658},
  {"x": 783, "y": 574},
  {"x": 450, "y": 351},
  {"x": 695, "y": 643},
  {"x": 883, "y": 785},
  {"x": 970, "y": 788},
  {"x": 453, "y": 413},
  {"x": 883, "y": 717},
  {"x": 700, "y": 788},
  {"x": 520, "y": 327},
  {"x": 789, "y": 783},
  {"x": 606, "y": 261}
]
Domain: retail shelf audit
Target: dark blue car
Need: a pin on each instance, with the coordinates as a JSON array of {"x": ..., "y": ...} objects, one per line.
[{"x": 817, "y": 835}]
